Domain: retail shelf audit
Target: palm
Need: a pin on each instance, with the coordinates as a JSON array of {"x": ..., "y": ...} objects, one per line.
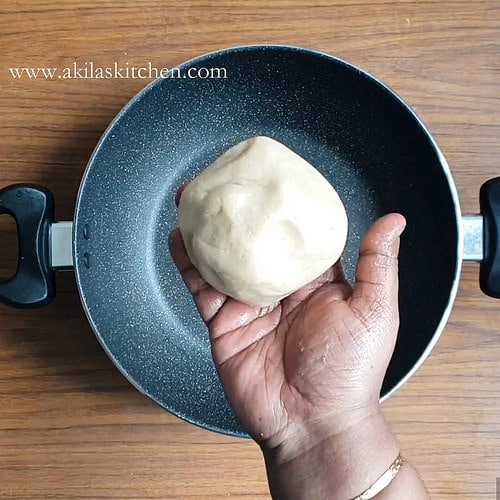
[
  {"x": 273, "y": 368},
  {"x": 310, "y": 355}
]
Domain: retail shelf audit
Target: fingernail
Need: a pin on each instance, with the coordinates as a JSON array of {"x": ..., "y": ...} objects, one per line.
[
  {"x": 402, "y": 226},
  {"x": 398, "y": 231},
  {"x": 173, "y": 234},
  {"x": 178, "y": 195}
]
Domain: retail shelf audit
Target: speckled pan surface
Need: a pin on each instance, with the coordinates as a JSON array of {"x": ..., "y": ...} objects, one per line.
[{"x": 360, "y": 135}]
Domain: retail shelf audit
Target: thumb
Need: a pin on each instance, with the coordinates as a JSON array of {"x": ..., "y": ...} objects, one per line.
[{"x": 376, "y": 287}]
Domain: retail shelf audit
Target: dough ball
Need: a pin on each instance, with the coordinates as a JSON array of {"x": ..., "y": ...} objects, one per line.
[{"x": 261, "y": 222}]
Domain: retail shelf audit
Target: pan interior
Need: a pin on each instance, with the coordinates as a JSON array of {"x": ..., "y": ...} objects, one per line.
[{"x": 365, "y": 141}]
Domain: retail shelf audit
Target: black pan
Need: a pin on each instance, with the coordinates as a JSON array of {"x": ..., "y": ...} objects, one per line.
[{"x": 367, "y": 142}]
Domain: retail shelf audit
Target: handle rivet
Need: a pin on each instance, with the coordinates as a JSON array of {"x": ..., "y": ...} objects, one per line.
[
  {"x": 86, "y": 260},
  {"x": 86, "y": 231}
]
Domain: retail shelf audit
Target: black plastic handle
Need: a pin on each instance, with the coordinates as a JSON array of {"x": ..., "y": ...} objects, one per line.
[
  {"x": 33, "y": 210},
  {"x": 489, "y": 274}
]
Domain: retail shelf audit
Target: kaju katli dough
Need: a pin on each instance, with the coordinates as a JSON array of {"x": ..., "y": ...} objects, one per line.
[{"x": 261, "y": 222}]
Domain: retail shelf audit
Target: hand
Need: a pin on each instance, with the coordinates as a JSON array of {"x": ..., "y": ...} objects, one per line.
[
  {"x": 317, "y": 358},
  {"x": 304, "y": 375}
]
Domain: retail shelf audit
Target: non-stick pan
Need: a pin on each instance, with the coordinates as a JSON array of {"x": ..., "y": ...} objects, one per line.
[{"x": 367, "y": 142}]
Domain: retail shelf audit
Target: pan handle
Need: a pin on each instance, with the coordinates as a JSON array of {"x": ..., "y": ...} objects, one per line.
[
  {"x": 32, "y": 207},
  {"x": 489, "y": 274}
]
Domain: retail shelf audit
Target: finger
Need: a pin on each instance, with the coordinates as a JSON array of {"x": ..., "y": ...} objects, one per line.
[
  {"x": 222, "y": 314},
  {"x": 227, "y": 344},
  {"x": 178, "y": 251},
  {"x": 208, "y": 300},
  {"x": 333, "y": 274},
  {"x": 178, "y": 194},
  {"x": 376, "y": 284},
  {"x": 333, "y": 281},
  {"x": 236, "y": 315},
  {"x": 338, "y": 273}
]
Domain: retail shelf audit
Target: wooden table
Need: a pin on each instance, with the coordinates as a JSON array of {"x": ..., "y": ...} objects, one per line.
[{"x": 70, "y": 425}]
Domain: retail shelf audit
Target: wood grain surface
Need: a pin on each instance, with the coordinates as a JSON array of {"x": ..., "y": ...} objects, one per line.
[{"x": 70, "y": 425}]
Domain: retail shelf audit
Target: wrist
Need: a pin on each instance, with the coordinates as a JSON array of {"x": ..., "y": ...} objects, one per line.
[{"x": 316, "y": 462}]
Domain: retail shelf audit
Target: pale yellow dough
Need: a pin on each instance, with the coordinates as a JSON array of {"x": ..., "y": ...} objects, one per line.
[{"x": 261, "y": 222}]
